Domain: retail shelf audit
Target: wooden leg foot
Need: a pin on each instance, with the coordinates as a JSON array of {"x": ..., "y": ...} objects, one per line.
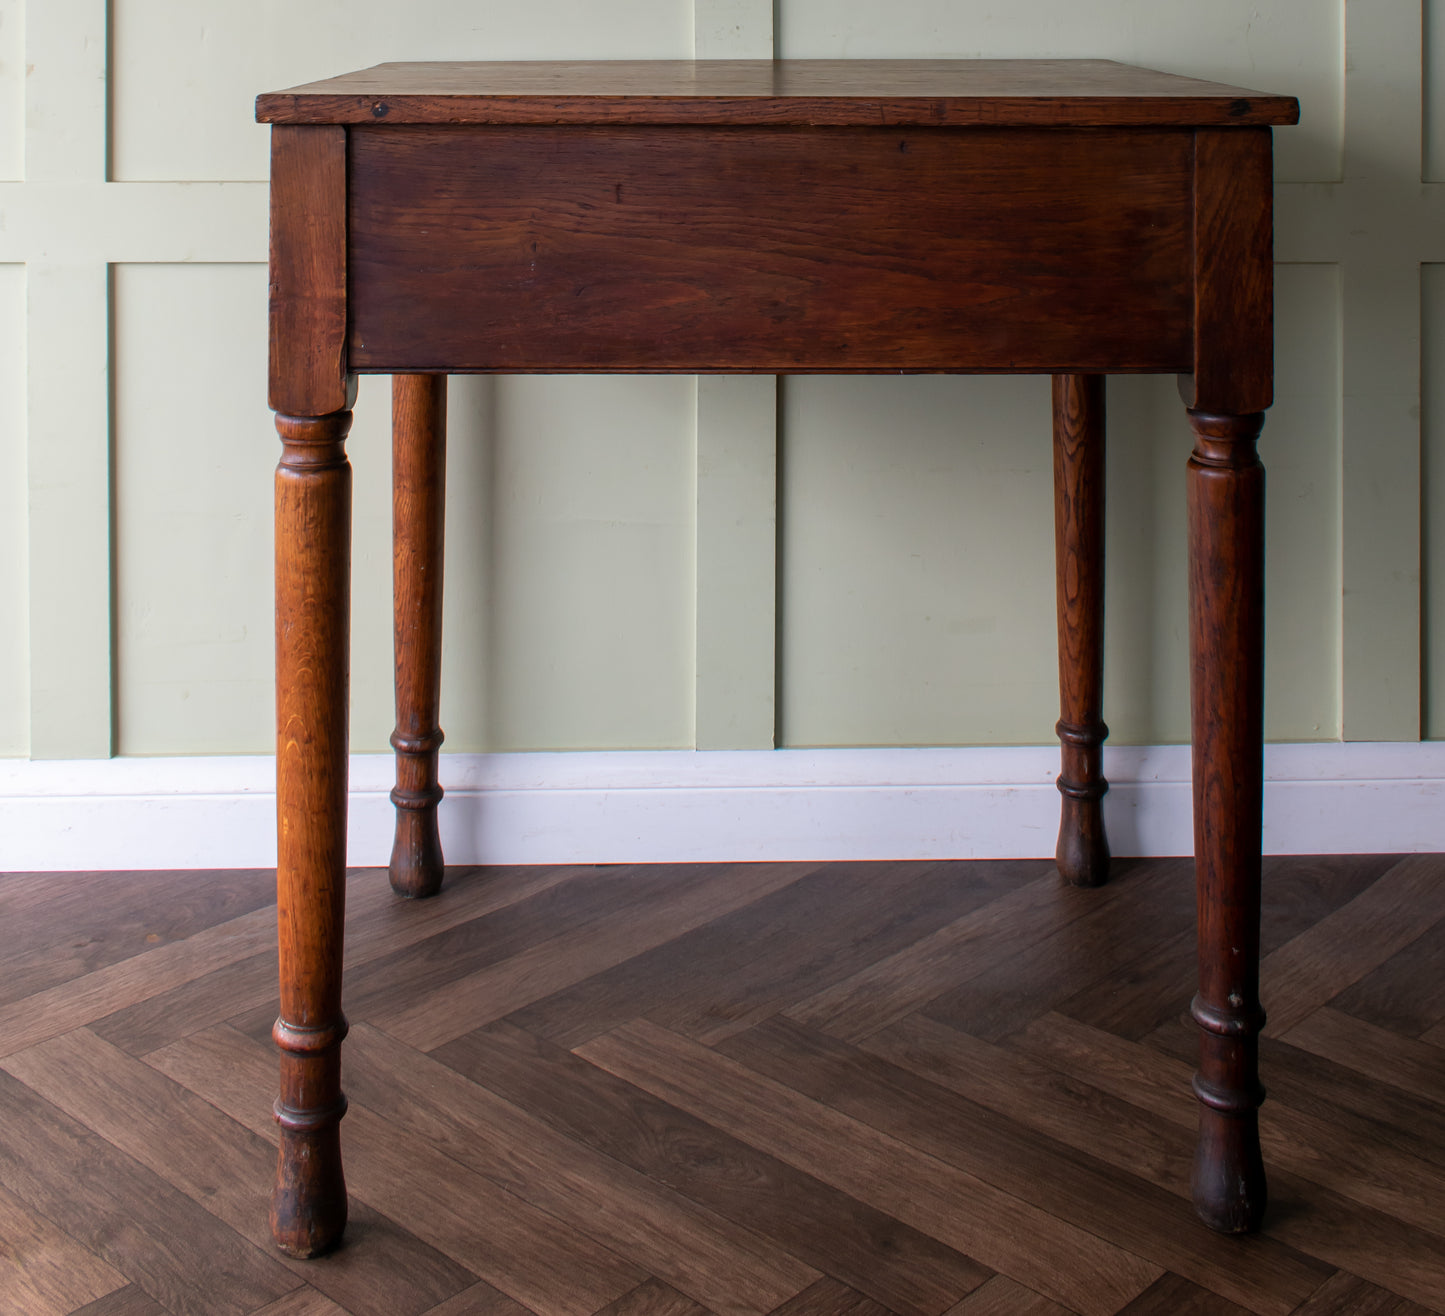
[
  {"x": 308, "y": 1203},
  {"x": 1230, "y": 1192},
  {"x": 417, "y": 867},
  {"x": 1083, "y": 850}
]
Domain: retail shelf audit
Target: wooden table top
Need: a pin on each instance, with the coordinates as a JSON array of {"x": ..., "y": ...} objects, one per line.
[{"x": 833, "y": 92}]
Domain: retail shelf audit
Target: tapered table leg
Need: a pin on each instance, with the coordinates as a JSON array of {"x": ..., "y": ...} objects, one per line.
[
  {"x": 418, "y": 426},
  {"x": 1083, "y": 849},
  {"x": 1226, "y": 641},
  {"x": 313, "y": 592}
]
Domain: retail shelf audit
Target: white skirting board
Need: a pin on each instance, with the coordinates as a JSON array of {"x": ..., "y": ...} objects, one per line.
[{"x": 677, "y": 806}]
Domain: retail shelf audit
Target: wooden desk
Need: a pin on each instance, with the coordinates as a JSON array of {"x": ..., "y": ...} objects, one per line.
[{"x": 1073, "y": 218}]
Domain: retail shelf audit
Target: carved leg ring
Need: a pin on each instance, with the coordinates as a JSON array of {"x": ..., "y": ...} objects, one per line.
[
  {"x": 313, "y": 593},
  {"x": 418, "y": 424},
  {"x": 1083, "y": 849},
  {"x": 1226, "y": 630}
]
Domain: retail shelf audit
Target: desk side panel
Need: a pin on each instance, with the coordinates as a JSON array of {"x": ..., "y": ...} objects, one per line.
[
  {"x": 308, "y": 271},
  {"x": 784, "y": 249}
]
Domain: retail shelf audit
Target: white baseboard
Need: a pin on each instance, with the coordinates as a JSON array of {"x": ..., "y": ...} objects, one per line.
[{"x": 684, "y": 806}]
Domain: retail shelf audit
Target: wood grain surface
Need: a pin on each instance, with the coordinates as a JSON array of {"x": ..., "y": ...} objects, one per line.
[
  {"x": 313, "y": 635},
  {"x": 1225, "y": 492},
  {"x": 927, "y": 93},
  {"x": 418, "y": 521},
  {"x": 666, "y": 1166},
  {"x": 1083, "y": 848},
  {"x": 796, "y": 249},
  {"x": 307, "y": 364}
]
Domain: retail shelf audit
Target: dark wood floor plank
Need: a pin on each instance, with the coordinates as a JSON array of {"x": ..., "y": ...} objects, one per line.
[
  {"x": 1339, "y": 950},
  {"x": 1173, "y": 1296},
  {"x": 625, "y": 929},
  {"x": 653, "y": 1298},
  {"x": 86, "y": 921},
  {"x": 138, "y": 1151},
  {"x": 1318, "y": 1218},
  {"x": 1348, "y": 1295},
  {"x": 378, "y": 922},
  {"x": 898, "y": 1266},
  {"x": 481, "y": 1300},
  {"x": 1003, "y": 1232},
  {"x": 1088, "y": 953},
  {"x": 157, "y": 1237},
  {"x": 302, "y": 1302},
  {"x": 1145, "y": 989},
  {"x": 159, "y": 1020},
  {"x": 384, "y": 1271},
  {"x": 1055, "y": 1175},
  {"x": 1054, "y": 1103},
  {"x": 524, "y": 1252},
  {"x": 76, "y": 1003},
  {"x": 1002, "y": 1296},
  {"x": 726, "y": 975},
  {"x": 1300, "y": 890},
  {"x": 1374, "y": 1173},
  {"x": 1361, "y": 1106},
  {"x": 874, "y": 997},
  {"x": 723, "y": 1266},
  {"x": 1141, "y": 992},
  {"x": 43, "y": 1271},
  {"x": 830, "y": 1298},
  {"x": 414, "y": 971},
  {"x": 129, "y": 1301},
  {"x": 1417, "y": 1067},
  {"x": 1406, "y": 994}
]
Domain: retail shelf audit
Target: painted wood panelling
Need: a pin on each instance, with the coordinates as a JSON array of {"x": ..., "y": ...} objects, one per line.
[
  {"x": 1432, "y": 359},
  {"x": 558, "y": 490},
  {"x": 14, "y": 566},
  {"x": 12, "y": 89},
  {"x": 214, "y": 56},
  {"x": 1433, "y": 67},
  {"x": 599, "y": 592},
  {"x": 1294, "y": 46},
  {"x": 194, "y": 651},
  {"x": 917, "y": 563},
  {"x": 568, "y": 621}
]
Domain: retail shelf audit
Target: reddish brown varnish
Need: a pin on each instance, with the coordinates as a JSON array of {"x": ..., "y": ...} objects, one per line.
[
  {"x": 313, "y": 617},
  {"x": 1226, "y": 617},
  {"x": 1069, "y": 218},
  {"x": 418, "y": 473},
  {"x": 1083, "y": 849},
  {"x": 857, "y": 93},
  {"x": 313, "y": 612},
  {"x": 796, "y": 249},
  {"x": 1231, "y": 385}
]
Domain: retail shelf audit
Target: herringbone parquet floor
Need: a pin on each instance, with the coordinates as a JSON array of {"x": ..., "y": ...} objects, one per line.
[{"x": 810, "y": 1090}]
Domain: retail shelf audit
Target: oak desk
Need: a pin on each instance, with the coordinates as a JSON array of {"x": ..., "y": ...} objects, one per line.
[{"x": 1073, "y": 218}]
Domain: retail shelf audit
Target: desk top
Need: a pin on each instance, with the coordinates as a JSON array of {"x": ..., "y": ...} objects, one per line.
[{"x": 863, "y": 92}]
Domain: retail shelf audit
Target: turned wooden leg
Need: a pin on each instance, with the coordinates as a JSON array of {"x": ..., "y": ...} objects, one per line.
[
  {"x": 418, "y": 465},
  {"x": 1083, "y": 850},
  {"x": 313, "y": 593},
  {"x": 1226, "y": 642}
]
